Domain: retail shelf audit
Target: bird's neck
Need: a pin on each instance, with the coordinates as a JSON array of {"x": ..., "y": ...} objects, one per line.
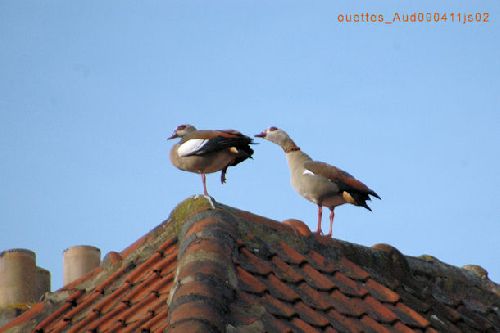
[{"x": 289, "y": 146}]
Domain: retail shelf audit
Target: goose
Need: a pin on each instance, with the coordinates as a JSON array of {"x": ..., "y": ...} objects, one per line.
[
  {"x": 319, "y": 182},
  {"x": 208, "y": 151}
]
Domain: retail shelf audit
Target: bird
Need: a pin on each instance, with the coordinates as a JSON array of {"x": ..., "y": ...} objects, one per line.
[
  {"x": 208, "y": 151},
  {"x": 319, "y": 182}
]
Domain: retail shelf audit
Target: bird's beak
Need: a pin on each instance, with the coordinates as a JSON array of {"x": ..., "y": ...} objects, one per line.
[
  {"x": 173, "y": 136},
  {"x": 261, "y": 134}
]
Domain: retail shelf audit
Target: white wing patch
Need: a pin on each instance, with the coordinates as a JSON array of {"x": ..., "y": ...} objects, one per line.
[
  {"x": 191, "y": 146},
  {"x": 308, "y": 172}
]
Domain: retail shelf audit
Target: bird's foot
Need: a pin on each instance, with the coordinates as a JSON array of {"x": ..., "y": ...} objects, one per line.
[
  {"x": 207, "y": 197},
  {"x": 223, "y": 176}
]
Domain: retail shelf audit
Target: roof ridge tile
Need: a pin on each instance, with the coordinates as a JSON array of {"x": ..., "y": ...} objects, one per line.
[{"x": 212, "y": 247}]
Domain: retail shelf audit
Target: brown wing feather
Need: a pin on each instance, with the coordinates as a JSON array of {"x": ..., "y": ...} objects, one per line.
[
  {"x": 344, "y": 180},
  {"x": 220, "y": 140},
  {"x": 210, "y": 134}
]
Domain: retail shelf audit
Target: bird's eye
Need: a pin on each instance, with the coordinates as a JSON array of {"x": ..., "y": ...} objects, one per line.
[
  {"x": 181, "y": 127},
  {"x": 273, "y": 128}
]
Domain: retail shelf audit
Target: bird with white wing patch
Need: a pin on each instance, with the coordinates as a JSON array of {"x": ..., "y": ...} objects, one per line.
[{"x": 208, "y": 151}]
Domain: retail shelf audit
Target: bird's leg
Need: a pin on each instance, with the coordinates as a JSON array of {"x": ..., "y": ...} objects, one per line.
[
  {"x": 320, "y": 215},
  {"x": 332, "y": 215},
  {"x": 223, "y": 175},
  {"x": 204, "y": 180}
]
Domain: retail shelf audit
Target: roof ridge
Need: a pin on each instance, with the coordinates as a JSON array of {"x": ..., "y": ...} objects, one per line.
[{"x": 206, "y": 281}]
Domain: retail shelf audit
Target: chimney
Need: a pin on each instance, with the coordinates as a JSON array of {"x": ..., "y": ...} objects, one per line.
[
  {"x": 18, "y": 278},
  {"x": 42, "y": 282},
  {"x": 78, "y": 261}
]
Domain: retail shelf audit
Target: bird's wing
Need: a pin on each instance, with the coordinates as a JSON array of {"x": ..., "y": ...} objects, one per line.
[
  {"x": 205, "y": 141},
  {"x": 344, "y": 180}
]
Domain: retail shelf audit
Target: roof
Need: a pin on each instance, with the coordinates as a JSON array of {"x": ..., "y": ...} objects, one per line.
[{"x": 213, "y": 268}]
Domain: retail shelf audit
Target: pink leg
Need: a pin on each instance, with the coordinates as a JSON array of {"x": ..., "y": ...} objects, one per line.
[
  {"x": 332, "y": 215},
  {"x": 320, "y": 216},
  {"x": 204, "y": 180}
]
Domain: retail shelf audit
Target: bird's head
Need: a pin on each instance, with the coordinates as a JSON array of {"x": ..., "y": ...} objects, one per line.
[
  {"x": 273, "y": 134},
  {"x": 181, "y": 130}
]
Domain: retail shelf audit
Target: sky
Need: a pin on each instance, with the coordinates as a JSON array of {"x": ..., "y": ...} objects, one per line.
[{"x": 90, "y": 90}]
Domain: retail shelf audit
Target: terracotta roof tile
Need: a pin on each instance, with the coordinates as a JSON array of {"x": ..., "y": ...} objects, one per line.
[
  {"x": 273, "y": 324},
  {"x": 54, "y": 315},
  {"x": 316, "y": 299},
  {"x": 370, "y": 325},
  {"x": 277, "y": 307},
  {"x": 494, "y": 317},
  {"x": 316, "y": 279},
  {"x": 106, "y": 308},
  {"x": 197, "y": 288},
  {"x": 27, "y": 316},
  {"x": 443, "y": 311},
  {"x": 430, "y": 330},
  {"x": 139, "y": 271},
  {"x": 79, "y": 326},
  {"x": 197, "y": 310},
  {"x": 330, "y": 329},
  {"x": 290, "y": 255},
  {"x": 214, "y": 268},
  {"x": 159, "y": 322},
  {"x": 402, "y": 328},
  {"x": 347, "y": 285},
  {"x": 279, "y": 289},
  {"x": 249, "y": 283},
  {"x": 197, "y": 269},
  {"x": 202, "y": 225},
  {"x": 343, "y": 323},
  {"x": 110, "y": 301},
  {"x": 192, "y": 326},
  {"x": 298, "y": 226},
  {"x": 409, "y": 316},
  {"x": 286, "y": 272},
  {"x": 442, "y": 324},
  {"x": 254, "y": 264},
  {"x": 206, "y": 245},
  {"x": 352, "y": 270},
  {"x": 303, "y": 326},
  {"x": 345, "y": 305},
  {"x": 138, "y": 308},
  {"x": 381, "y": 292},
  {"x": 112, "y": 278},
  {"x": 245, "y": 310},
  {"x": 104, "y": 319},
  {"x": 320, "y": 262},
  {"x": 378, "y": 310},
  {"x": 413, "y": 302},
  {"x": 315, "y": 318},
  {"x": 474, "y": 320}
]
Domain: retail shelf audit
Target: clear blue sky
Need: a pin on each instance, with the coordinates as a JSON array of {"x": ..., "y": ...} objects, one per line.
[{"x": 90, "y": 90}]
